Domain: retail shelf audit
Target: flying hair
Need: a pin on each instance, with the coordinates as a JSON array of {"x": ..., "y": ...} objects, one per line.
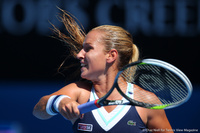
[
  {"x": 114, "y": 37},
  {"x": 73, "y": 41}
]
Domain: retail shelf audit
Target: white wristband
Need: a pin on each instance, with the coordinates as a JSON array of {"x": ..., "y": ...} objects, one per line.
[
  {"x": 53, "y": 104},
  {"x": 49, "y": 105},
  {"x": 57, "y": 101}
]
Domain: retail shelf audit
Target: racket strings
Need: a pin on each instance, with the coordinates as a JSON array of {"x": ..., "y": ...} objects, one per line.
[
  {"x": 128, "y": 74},
  {"x": 155, "y": 85},
  {"x": 179, "y": 91},
  {"x": 167, "y": 86},
  {"x": 138, "y": 94}
]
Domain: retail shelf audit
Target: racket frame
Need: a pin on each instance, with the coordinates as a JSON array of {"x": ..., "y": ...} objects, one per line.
[
  {"x": 104, "y": 102},
  {"x": 167, "y": 66}
]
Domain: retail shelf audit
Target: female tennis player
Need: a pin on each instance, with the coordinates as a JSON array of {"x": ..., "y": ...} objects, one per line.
[{"x": 105, "y": 50}]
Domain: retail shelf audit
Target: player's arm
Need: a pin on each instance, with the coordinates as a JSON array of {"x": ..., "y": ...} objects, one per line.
[
  {"x": 157, "y": 121},
  {"x": 67, "y": 105}
]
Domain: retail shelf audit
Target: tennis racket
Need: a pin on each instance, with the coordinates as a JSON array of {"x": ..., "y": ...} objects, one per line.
[{"x": 157, "y": 85}]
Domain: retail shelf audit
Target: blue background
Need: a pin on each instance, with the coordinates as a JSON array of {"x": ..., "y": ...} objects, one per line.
[
  {"x": 168, "y": 30},
  {"x": 17, "y": 100}
]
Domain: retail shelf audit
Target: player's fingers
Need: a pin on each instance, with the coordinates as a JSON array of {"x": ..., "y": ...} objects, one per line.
[
  {"x": 77, "y": 112},
  {"x": 65, "y": 112},
  {"x": 72, "y": 111}
]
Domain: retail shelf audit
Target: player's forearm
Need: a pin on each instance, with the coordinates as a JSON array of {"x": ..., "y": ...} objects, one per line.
[{"x": 39, "y": 110}]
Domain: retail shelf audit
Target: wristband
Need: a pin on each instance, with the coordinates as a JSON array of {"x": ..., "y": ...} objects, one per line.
[
  {"x": 49, "y": 104},
  {"x": 53, "y": 104},
  {"x": 57, "y": 101}
]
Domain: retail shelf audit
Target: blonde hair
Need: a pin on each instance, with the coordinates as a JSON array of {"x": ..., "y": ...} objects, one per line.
[
  {"x": 73, "y": 41},
  {"x": 76, "y": 33},
  {"x": 115, "y": 37}
]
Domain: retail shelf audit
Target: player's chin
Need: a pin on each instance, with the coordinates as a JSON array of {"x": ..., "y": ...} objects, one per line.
[{"x": 83, "y": 75}]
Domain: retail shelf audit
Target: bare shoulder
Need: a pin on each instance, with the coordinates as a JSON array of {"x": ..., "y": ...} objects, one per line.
[
  {"x": 145, "y": 96},
  {"x": 154, "y": 119}
]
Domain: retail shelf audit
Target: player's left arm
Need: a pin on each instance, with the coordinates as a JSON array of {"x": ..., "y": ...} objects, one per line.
[{"x": 157, "y": 121}]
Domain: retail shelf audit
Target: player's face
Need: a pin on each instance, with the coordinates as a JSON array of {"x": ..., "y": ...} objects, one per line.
[{"x": 92, "y": 57}]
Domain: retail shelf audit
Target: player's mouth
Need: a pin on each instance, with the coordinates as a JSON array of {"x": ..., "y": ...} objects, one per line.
[{"x": 83, "y": 65}]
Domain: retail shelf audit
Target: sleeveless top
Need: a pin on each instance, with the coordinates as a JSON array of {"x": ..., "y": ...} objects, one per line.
[{"x": 123, "y": 119}]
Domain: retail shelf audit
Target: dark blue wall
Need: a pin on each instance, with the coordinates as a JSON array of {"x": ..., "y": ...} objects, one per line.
[
  {"x": 163, "y": 29},
  {"x": 17, "y": 100}
]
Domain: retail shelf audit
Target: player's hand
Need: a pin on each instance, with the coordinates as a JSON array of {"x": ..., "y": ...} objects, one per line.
[{"x": 68, "y": 109}]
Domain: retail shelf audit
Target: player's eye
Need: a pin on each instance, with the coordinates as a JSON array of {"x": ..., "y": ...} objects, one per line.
[{"x": 87, "y": 48}]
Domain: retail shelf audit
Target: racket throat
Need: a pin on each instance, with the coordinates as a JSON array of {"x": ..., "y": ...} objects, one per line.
[{"x": 114, "y": 102}]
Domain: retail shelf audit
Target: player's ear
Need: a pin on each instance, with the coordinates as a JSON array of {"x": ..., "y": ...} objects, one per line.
[{"x": 112, "y": 55}]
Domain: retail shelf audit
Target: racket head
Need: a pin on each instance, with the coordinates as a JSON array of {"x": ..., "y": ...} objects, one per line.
[{"x": 157, "y": 84}]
